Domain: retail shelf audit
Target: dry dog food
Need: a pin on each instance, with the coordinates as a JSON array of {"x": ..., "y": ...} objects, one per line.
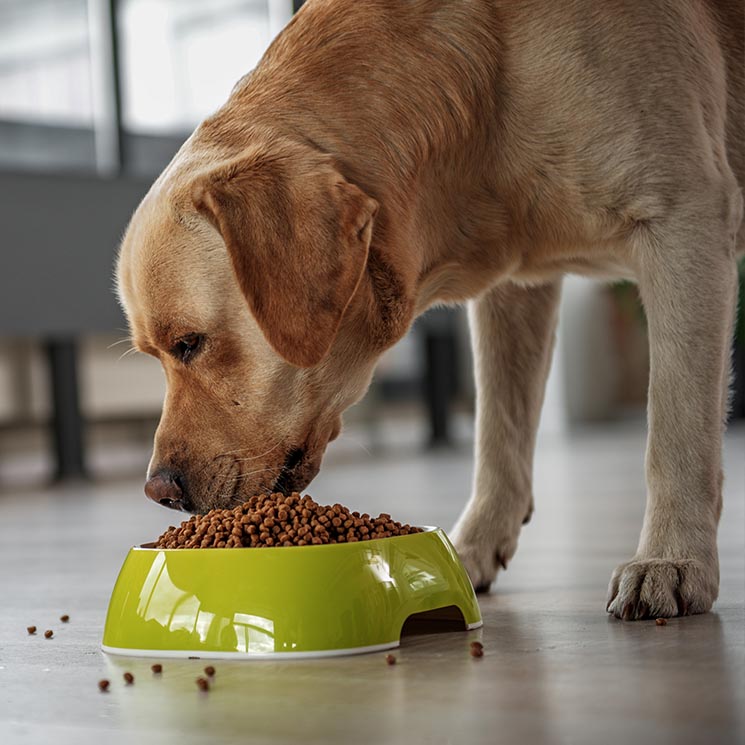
[
  {"x": 390, "y": 659},
  {"x": 157, "y": 668},
  {"x": 477, "y": 649},
  {"x": 129, "y": 678},
  {"x": 31, "y": 629},
  {"x": 64, "y": 618},
  {"x": 661, "y": 622},
  {"x": 103, "y": 685},
  {"x": 209, "y": 671},
  {"x": 48, "y": 634},
  {"x": 279, "y": 520},
  {"x": 202, "y": 684}
]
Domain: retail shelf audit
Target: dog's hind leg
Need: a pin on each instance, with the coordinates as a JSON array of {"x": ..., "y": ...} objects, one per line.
[
  {"x": 687, "y": 280},
  {"x": 512, "y": 331}
]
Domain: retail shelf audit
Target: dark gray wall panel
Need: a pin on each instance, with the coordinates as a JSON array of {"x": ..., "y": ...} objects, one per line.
[
  {"x": 44, "y": 148},
  {"x": 58, "y": 239}
]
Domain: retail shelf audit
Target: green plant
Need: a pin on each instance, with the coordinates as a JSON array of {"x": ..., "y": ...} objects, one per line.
[{"x": 627, "y": 297}]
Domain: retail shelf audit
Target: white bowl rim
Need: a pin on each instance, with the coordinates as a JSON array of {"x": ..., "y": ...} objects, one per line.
[{"x": 276, "y": 656}]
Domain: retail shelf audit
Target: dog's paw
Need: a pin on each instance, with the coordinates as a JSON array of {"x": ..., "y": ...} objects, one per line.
[
  {"x": 662, "y": 588},
  {"x": 483, "y": 555}
]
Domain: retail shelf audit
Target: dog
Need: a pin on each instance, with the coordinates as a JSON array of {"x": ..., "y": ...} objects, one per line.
[{"x": 385, "y": 156}]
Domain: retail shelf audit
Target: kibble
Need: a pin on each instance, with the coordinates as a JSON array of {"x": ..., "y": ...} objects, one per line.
[
  {"x": 129, "y": 678},
  {"x": 48, "y": 634},
  {"x": 157, "y": 668},
  {"x": 477, "y": 651},
  {"x": 31, "y": 629},
  {"x": 209, "y": 671},
  {"x": 64, "y": 618},
  {"x": 203, "y": 684},
  {"x": 390, "y": 659},
  {"x": 103, "y": 685},
  {"x": 661, "y": 621},
  {"x": 279, "y": 520},
  {"x": 477, "y": 645}
]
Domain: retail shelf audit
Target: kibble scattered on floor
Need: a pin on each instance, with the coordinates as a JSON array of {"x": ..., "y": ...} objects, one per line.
[
  {"x": 65, "y": 618},
  {"x": 390, "y": 659},
  {"x": 209, "y": 671},
  {"x": 477, "y": 649},
  {"x": 31, "y": 629},
  {"x": 279, "y": 520},
  {"x": 203, "y": 684},
  {"x": 48, "y": 634},
  {"x": 103, "y": 685},
  {"x": 129, "y": 678},
  {"x": 157, "y": 668},
  {"x": 661, "y": 622}
]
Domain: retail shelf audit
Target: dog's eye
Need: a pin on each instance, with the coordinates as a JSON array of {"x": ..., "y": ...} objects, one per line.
[{"x": 187, "y": 346}]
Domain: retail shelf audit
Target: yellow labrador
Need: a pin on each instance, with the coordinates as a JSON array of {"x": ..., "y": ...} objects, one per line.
[{"x": 388, "y": 155}]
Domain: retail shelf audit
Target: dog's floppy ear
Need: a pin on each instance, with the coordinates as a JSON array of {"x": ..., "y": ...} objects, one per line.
[{"x": 298, "y": 238}]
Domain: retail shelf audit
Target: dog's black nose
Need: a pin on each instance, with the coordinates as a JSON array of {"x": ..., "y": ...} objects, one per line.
[{"x": 166, "y": 488}]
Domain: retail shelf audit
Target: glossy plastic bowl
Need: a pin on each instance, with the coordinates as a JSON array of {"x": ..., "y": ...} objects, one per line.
[{"x": 299, "y": 601}]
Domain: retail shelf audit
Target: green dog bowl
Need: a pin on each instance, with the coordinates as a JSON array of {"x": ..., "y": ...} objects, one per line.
[{"x": 288, "y": 602}]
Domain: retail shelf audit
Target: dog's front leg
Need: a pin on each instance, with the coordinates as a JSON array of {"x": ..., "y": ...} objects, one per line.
[
  {"x": 688, "y": 284},
  {"x": 512, "y": 332}
]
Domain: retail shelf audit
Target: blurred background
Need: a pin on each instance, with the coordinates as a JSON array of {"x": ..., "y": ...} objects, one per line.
[{"x": 95, "y": 98}]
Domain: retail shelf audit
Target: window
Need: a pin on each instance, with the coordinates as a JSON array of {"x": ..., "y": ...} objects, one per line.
[
  {"x": 45, "y": 73},
  {"x": 181, "y": 58},
  {"x": 178, "y": 61}
]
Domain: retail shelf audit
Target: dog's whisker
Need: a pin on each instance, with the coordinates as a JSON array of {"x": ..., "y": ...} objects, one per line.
[
  {"x": 120, "y": 341},
  {"x": 261, "y": 455},
  {"x": 347, "y": 438},
  {"x": 252, "y": 457},
  {"x": 229, "y": 487},
  {"x": 241, "y": 476},
  {"x": 127, "y": 352},
  {"x": 231, "y": 452},
  {"x": 237, "y": 461},
  {"x": 248, "y": 475}
]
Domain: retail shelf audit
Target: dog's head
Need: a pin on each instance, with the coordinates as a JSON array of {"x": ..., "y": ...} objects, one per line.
[{"x": 252, "y": 280}]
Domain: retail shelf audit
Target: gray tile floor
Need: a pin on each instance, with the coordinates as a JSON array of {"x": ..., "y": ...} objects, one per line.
[{"x": 557, "y": 669}]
